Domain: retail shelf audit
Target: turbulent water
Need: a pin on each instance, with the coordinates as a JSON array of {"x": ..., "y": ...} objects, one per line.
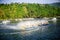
[{"x": 50, "y": 31}]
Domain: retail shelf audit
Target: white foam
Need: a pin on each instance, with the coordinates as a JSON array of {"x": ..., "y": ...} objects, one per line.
[
  {"x": 5, "y": 21},
  {"x": 23, "y": 25},
  {"x": 54, "y": 19}
]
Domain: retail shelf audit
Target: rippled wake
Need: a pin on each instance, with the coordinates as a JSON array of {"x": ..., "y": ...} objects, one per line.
[
  {"x": 24, "y": 25},
  {"x": 25, "y": 32}
]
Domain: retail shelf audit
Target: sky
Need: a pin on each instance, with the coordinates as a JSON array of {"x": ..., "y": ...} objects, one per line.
[{"x": 30, "y": 1}]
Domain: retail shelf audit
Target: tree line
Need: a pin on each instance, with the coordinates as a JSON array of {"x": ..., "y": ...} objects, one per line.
[{"x": 24, "y": 10}]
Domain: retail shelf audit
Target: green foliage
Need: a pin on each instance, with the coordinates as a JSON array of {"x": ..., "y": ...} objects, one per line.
[{"x": 24, "y": 10}]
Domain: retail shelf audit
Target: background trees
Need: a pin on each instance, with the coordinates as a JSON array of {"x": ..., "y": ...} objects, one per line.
[{"x": 24, "y": 10}]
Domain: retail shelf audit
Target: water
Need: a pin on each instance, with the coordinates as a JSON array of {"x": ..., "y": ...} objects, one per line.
[{"x": 43, "y": 32}]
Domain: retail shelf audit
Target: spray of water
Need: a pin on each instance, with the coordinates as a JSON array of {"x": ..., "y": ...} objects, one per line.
[{"x": 24, "y": 25}]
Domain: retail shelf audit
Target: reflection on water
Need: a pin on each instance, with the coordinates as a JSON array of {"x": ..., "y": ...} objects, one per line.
[{"x": 42, "y": 32}]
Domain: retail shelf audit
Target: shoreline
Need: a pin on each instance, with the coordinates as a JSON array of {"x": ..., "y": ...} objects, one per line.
[{"x": 30, "y": 18}]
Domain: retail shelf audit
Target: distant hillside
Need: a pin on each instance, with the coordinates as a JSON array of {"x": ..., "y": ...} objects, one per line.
[{"x": 56, "y": 4}]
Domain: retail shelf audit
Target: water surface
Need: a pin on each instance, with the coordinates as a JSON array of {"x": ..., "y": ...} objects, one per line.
[{"x": 44, "y": 32}]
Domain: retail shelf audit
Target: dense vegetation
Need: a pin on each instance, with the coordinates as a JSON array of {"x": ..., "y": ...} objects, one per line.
[{"x": 24, "y": 10}]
